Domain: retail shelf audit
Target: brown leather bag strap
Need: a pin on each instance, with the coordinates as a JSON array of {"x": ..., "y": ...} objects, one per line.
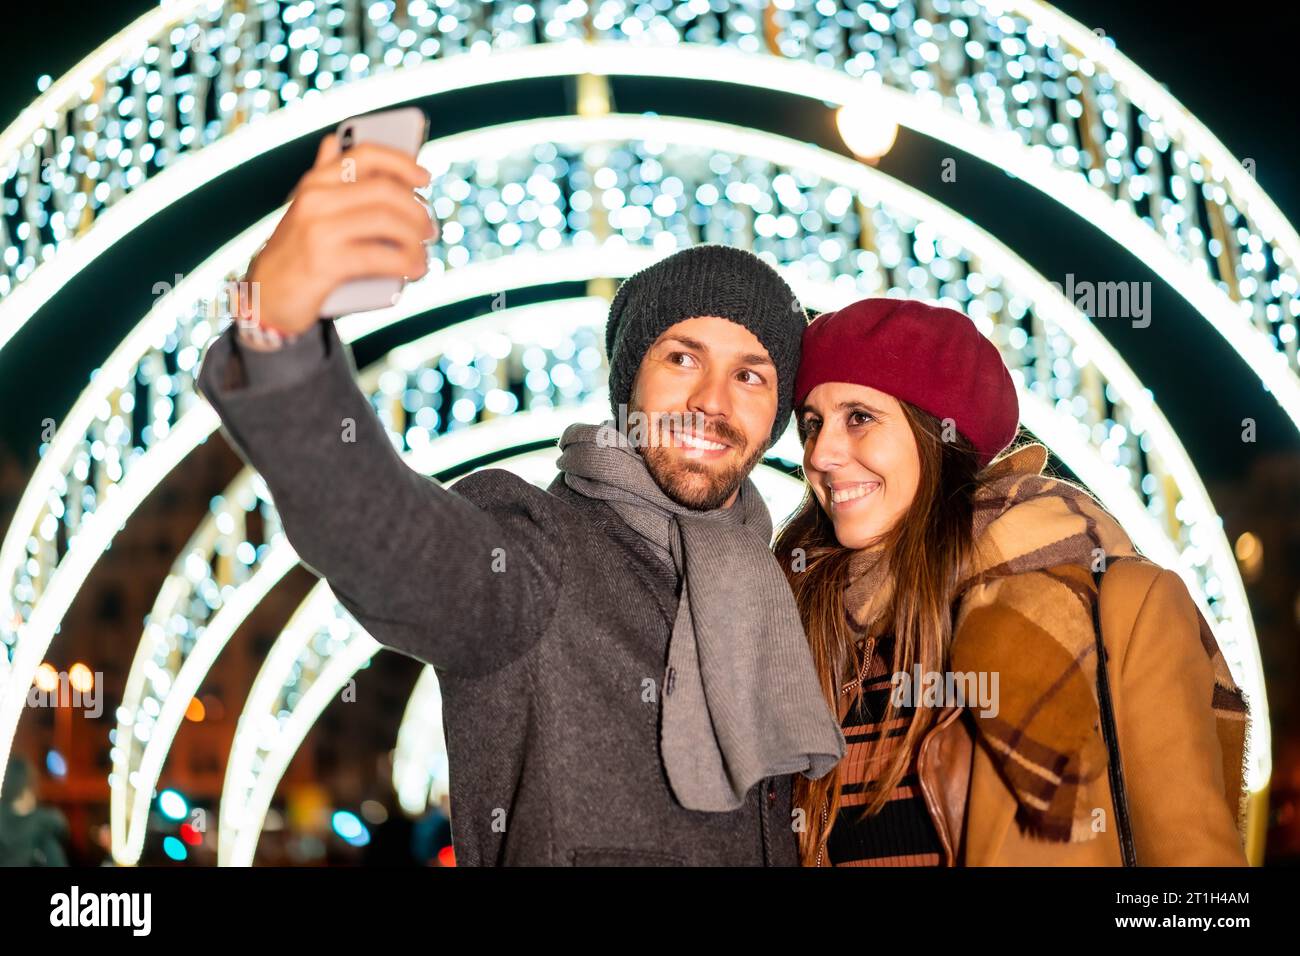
[{"x": 1119, "y": 795}]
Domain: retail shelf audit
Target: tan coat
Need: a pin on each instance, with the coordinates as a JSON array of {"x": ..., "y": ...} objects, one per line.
[{"x": 1182, "y": 812}]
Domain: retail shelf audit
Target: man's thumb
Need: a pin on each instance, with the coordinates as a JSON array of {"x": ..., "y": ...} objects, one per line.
[{"x": 328, "y": 150}]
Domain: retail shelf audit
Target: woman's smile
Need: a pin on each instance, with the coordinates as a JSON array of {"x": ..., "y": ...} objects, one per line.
[{"x": 850, "y": 494}]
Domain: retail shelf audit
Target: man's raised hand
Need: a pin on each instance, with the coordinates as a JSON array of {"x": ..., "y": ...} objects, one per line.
[{"x": 352, "y": 216}]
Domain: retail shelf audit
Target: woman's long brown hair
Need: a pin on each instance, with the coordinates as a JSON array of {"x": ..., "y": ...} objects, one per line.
[{"x": 926, "y": 549}]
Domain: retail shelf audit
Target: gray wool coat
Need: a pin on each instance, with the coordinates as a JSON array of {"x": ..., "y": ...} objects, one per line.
[{"x": 545, "y": 617}]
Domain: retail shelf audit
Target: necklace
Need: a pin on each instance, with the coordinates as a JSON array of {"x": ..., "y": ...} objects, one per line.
[
  {"x": 851, "y": 685},
  {"x": 862, "y": 671}
]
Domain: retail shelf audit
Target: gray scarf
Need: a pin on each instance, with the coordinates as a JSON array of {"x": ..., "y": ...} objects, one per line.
[{"x": 741, "y": 700}]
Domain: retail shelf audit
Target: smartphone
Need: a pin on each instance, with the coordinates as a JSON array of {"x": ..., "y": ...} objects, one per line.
[{"x": 405, "y": 129}]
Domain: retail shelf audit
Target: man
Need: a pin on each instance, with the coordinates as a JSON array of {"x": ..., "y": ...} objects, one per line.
[
  {"x": 624, "y": 675},
  {"x": 30, "y": 835}
]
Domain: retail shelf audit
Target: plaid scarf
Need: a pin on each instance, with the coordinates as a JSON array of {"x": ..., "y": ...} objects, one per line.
[{"x": 1025, "y": 611}]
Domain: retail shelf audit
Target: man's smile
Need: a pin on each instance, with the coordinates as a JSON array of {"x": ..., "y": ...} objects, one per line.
[{"x": 695, "y": 445}]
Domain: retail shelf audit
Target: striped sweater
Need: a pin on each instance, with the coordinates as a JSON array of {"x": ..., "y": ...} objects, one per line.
[{"x": 902, "y": 834}]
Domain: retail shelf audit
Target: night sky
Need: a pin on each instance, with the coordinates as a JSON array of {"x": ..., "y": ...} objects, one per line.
[{"x": 1236, "y": 75}]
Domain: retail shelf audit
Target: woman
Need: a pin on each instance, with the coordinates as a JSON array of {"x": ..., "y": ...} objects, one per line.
[{"x": 947, "y": 589}]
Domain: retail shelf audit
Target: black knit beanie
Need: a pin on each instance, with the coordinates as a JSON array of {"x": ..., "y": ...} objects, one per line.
[{"x": 708, "y": 279}]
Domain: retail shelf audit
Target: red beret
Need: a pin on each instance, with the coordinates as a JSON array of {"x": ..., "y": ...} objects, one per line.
[{"x": 927, "y": 355}]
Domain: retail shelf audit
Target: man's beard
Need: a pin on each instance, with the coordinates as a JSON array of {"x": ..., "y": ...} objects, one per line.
[{"x": 694, "y": 484}]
